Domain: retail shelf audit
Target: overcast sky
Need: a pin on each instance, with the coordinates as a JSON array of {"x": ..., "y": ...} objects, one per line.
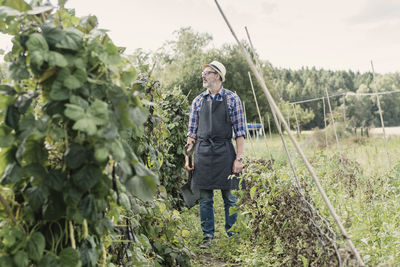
[{"x": 337, "y": 35}]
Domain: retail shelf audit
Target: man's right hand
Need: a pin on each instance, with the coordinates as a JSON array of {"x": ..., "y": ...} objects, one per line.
[{"x": 187, "y": 167}]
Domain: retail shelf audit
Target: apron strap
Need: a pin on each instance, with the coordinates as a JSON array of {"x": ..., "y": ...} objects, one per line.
[{"x": 226, "y": 107}]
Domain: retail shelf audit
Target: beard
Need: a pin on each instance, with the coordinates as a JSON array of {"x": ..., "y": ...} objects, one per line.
[{"x": 209, "y": 85}]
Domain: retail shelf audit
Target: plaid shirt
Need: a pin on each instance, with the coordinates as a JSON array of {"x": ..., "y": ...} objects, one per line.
[{"x": 234, "y": 107}]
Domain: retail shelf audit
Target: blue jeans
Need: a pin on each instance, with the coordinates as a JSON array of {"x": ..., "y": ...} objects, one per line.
[{"x": 207, "y": 211}]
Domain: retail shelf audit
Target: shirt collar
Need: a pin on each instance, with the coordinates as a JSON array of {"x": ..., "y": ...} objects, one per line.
[{"x": 221, "y": 92}]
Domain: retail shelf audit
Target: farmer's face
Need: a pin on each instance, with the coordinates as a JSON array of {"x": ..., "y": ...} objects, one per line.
[{"x": 210, "y": 77}]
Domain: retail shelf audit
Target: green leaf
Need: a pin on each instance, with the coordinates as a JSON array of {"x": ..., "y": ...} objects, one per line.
[
  {"x": 77, "y": 100},
  {"x": 86, "y": 125},
  {"x": 127, "y": 77},
  {"x": 75, "y": 156},
  {"x": 35, "y": 170},
  {"x": 61, "y": 3},
  {"x": 69, "y": 257},
  {"x": 49, "y": 260},
  {"x": 88, "y": 254},
  {"x": 71, "y": 82},
  {"x": 37, "y": 58},
  {"x": 21, "y": 259},
  {"x": 143, "y": 187},
  {"x": 253, "y": 191},
  {"x": 55, "y": 208},
  {"x": 58, "y": 92},
  {"x": 87, "y": 177},
  {"x": 110, "y": 132},
  {"x": 37, "y": 42},
  {"x": 20, "y": 5},
  {"x": 80, "y": 74},
  {"x": 12, "y": 174},
  {"x": 24, "y": 101},
  {"x": 6, "y": 261},
  {"x": 12, "y": 117},
  {"x": 99, "y": 112},
  {"x": 55, "y": 180},
  {"x": 101, "y": 154},
  {"x": 35, "y": 246},
  {"x": 35, "y": 152},
  {"x": 18, "y": 70},
  {"x": 36, "y": 197},
  {"x": 74, "y": 112},
  {"x": 6, "y": 11},
  {"x": 117, "y": 150},
  {"x": 52, "y": 34},
  {"x": 39, "y": 10},
  {"x": 72, "y": 196},
  {"x": 56, "y": 133},
  {"x": 6, "y": 136},
  {"x": 71, "y": 40},
  {"x": 87, "y": 208},
  {"x": 79, "y": 64},
  {"x": 56, "y": 59},
  {"x": 138, "y": 115},
  {"x": 27, "y": 125},
  {"x": 89, "y": 23}
]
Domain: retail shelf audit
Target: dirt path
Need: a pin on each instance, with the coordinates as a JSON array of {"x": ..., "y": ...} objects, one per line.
[{"x": 206, "y": 259}]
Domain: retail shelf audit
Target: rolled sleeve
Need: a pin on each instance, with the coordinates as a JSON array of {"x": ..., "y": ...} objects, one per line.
[
  {"x": 238, "y": 118},
  {"x": 193, "y": 119}
]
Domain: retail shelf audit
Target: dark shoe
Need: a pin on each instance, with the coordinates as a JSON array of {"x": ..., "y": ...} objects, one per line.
[
  {"x": 206, "y": 243},
  {"x": 231, "y": 233}
]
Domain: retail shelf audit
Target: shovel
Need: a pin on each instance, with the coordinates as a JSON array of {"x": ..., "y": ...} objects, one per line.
[{"x": 191, "y": 197}]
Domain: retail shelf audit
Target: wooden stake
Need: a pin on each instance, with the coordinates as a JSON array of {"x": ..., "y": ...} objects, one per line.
[
  {"x": 247, "y": 129},
  {"x": 334, "y": 126},
  {"x": 381, "y": 116},
  {"x": 325, "y": 129},
  {"x": 278, "y": 113},
  {"x": 259, "y": 116}
]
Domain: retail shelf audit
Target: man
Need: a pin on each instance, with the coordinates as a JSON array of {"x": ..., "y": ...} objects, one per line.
[{"x": 213, "y": 115}]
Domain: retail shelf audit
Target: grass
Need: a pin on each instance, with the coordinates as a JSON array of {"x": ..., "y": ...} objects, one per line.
[
  {"x": 223, "y": 248},
  {"x": 364, "y": 191},
  {"x": 370, "y": 153}
]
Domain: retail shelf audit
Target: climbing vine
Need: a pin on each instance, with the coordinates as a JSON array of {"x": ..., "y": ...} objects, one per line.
[{"x": 77, "y": 185}]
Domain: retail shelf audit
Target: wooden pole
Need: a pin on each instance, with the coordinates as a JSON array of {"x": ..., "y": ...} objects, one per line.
[
  {"x": 299, "y": 188},
  {"x": 247, "y": 130},
  {"x": 380, "y": 115},
  {"x": 334, "y": 126},
  {"x": 259, "y": 116},
  {"x": 297, "y": 122},
  {"x": 325, "y": 129},
  {"x": 278, "y": 113}
]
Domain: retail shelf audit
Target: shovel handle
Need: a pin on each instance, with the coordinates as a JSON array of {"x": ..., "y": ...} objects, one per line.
[{"x": 190, "y": 162}]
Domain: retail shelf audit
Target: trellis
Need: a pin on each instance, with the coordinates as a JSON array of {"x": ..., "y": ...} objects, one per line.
[
  {"x": 278, "y": 115},
  {"x": 344, "y": 94}
]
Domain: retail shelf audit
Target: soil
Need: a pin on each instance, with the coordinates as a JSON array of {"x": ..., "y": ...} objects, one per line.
[{"x": 206, "y": 259}]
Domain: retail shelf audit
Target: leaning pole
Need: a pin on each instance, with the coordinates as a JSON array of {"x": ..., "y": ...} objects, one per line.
[{"x": 274, "y": 107}]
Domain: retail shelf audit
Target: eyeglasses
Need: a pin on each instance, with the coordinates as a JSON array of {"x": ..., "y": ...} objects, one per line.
[{"x": 208, "y": 72}]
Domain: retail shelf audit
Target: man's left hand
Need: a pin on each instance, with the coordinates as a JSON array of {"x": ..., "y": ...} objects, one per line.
[{"x": 237, "y": 166}]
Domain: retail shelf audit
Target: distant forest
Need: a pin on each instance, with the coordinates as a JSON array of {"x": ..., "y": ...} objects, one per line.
[{"x": 178, "y": 64}]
